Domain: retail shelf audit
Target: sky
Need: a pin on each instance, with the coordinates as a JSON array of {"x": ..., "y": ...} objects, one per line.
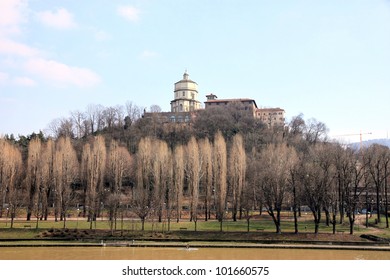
[{"x": 326, "y": 59}]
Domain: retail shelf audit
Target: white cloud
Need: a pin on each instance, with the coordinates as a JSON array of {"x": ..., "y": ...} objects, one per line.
[
  {"x": 24, "y": 81},
  {"x": 129, "y": 12},
  {"x": 12, "y": 14},
  {"x": 11, "y": 47},
  {"x": 60, "y": 19},
  {"x": 27, "y": 60},
  {"x": 62, "y": 74},
  {"x": 5, "y": 79}
]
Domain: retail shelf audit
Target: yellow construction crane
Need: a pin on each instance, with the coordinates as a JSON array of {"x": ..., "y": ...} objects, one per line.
[{"x": 356, "y": 134}]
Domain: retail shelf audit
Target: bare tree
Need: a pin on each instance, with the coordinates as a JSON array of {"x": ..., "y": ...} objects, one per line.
[
  {"x": 318, "y": 175},
  {"x": 377, "y": 158},
  {"x": 95, "y": 117},
  {"x": 62, "y": 127},
  {"x": 3, "y": 180},
  {"x": 193, "y": 173},
  {"x": 248, "y": 202},
  {"x": 134, "y": 113},
  {"x": 155, "y": 109},
  {"x": 10, "y": 178},
  {"x": 120, "y": 116},
  {"x": 118, "y": 167},
  {"x": 295, "y": 187},
  {"x": 252, "y": 194},
  {"x": 220, "y": 173},
  {"x": 206, "y": 183},
  {"x": 47, "y": 162},
  {"x": 33, "y": 180},
  {"x": 277, "y": 161},
  {"x": 143, "y": 198},
  {"x": 167, "y": 191},
  {"x": 93, "y": 167},
  {"x": 78, "y": 118},
  {"x": 178, "y": 178},
  {"x": 110, "y": 117},
  {"x": 315, "y": 131},
  {"x": 354, "y": 184},
  {"x": 65, "y": 174},
  {"x": 386, "y": 175},
  {"x": 237, "y": 168}
]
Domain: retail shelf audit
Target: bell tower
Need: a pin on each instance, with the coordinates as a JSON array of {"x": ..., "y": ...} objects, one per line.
[{"x": 185, "y": 97}]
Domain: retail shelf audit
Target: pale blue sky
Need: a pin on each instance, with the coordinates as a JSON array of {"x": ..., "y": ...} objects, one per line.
[{"x": 327, "y": 59}]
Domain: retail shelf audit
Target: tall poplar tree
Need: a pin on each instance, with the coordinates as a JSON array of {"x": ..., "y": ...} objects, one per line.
[
  {"x": 143, "y": 197},
  {"x": 118, "y": 167},
  {"x": 193, "y": 173},
  {"x": 237, "y": 169},
  {"x": 220, "y": 172},
  {"x": 178, "y": 179},
  {"x": 33, "y": 180},
  {"x": 10, "y": 178},
  {"x": 66, "y": 168},
  {"x": 94, "y": 167},
  {"x": 206, "y": 183}
]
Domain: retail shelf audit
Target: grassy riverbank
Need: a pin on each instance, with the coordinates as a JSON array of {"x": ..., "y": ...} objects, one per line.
[{"x": 260, "y": 230}]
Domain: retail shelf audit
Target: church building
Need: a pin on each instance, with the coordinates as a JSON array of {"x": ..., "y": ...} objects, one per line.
[
  {"x": 185, "y": 96},
  {"x": 185, "y": 104}
]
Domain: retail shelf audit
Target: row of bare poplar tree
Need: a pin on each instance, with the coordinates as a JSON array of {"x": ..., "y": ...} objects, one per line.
[{"x": 208, "y": 178}]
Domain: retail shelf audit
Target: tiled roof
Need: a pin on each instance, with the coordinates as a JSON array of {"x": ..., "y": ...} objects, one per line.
[{"x": 229, "y": 100}]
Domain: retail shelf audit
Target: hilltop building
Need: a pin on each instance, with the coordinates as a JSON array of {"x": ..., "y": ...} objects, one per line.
[
  {"x": 271, "y": 116},
  {"x": 185, "y": 96},
  {"x": 241, "y": 103},
  {"x": 185, "y": 105}
]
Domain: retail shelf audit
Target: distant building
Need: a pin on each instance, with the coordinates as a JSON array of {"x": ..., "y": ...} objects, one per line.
[
  {"x": 185, "y": 96},
  {"x": 185, "y": 104},
  {"x": 240, "y": 103},
  {"x": 271, "y": 116}
]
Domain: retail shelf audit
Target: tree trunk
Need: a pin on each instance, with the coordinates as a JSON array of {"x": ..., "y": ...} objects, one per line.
[
  {"x": 295, "y": 221},
  {"x": 234, "y": 214},
  {"x": 276, "y": 220},
  {"x": 351, "y": 223},
  {"x": 327, "y": 215},
  {"x": 386, "y": 206},
  {"x": 334, "y": 223},
  {"x": 317, "y": 220}
]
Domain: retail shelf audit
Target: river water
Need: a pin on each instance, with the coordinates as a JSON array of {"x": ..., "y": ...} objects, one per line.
[{"x": 163, "y": 253}]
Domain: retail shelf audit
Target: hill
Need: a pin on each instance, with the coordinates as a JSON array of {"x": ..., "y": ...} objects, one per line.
[{"x": 367, "y": 143}]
